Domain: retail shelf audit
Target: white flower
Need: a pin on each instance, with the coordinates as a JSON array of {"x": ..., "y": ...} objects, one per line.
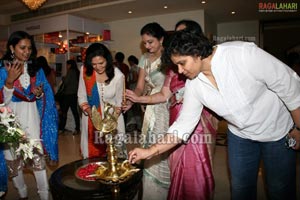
[
  {"x": 21, "y": 132},
  {"x": 12, "y": 133},
  {"x": 28, "y": 149},
  {"x": 36, "y": 143},
  {"x": 11, "y": 130},
  {"x": 6, "y": 116}
]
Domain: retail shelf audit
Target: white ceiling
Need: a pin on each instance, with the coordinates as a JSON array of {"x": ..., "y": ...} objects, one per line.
[{"x": 111, "y": 10}]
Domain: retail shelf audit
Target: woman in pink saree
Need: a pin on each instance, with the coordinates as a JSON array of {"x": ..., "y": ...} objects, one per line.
[{"x": 191, "y": 163}]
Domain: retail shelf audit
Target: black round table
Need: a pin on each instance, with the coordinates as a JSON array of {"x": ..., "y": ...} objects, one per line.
[{"x": 65, "y": 186}]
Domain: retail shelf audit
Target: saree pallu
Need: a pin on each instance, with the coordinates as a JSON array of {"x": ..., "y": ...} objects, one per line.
[
  {"x": 191, "y": 167},
  {"x": 156, "y": 179},
  {"x": 191, "y": 163}
]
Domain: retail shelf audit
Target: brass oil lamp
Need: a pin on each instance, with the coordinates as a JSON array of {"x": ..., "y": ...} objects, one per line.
[{"x": 112, "y": 172}]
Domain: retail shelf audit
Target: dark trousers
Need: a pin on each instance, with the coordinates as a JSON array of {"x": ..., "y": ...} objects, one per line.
[
  {"x": 67, "y": 102},
  {"x": 279, "y": 163}
]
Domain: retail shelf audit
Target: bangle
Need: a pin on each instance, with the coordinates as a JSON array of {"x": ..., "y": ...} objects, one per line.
[
  {"x": 85, "y": 106},
  {"x": 41, "y": 95},
  {"x": 9, "y": 84}
]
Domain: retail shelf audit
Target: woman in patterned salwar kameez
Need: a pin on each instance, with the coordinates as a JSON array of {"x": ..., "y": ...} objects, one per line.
[{"x": 27, "y": 92}]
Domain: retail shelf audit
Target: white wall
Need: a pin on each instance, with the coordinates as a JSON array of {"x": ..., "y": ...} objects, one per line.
[
  {"x": 126, "y": 33},
  {"x": 244, "y": 30}
]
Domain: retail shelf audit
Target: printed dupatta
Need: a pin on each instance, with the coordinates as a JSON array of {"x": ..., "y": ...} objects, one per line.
[{"x": 95, "y": 148}]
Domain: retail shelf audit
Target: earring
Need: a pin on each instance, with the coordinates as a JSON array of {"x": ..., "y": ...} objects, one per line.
[{"x": 12, "y": 55}]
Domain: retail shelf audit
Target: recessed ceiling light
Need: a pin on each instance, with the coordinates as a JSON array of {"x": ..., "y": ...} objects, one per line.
[
  {"x": 165, "y": 7},
  {"x": 203, "y": 2},
  {"x": 129, "y": 12},
  {"x": 233, "y": 12},
  {"x": 87, "y": 33}
]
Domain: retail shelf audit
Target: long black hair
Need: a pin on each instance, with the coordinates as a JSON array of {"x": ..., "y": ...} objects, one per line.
[
  {"x": 97, "y": 49},
  {"x": 190, "y": 25},
  {"x": 13, "y": 40},
  {"x": 155, "y": 30}
]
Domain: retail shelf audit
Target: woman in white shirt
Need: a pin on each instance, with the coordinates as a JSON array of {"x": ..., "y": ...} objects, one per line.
[{"x": 257, "y": 94}]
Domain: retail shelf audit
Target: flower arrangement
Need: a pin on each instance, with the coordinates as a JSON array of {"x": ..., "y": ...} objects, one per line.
[{"x": 12, "y": 134}]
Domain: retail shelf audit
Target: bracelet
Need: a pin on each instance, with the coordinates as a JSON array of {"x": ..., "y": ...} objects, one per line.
[
  {"x": 150, "y": 99},
  {"x": 85, "y": 106},
  {"x": 296, "y": 127},
  {"x": 41, "y": 95}
]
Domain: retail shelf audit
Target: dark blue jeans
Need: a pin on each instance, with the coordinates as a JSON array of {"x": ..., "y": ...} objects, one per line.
[{"x": 279, "y": 166}]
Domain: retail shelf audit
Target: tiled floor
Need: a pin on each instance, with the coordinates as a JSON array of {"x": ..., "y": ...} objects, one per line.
[{"x": 69, "y": 151}]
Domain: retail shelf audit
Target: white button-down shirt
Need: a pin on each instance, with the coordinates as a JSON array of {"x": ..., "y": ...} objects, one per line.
[{"x": 255, "y": 93}]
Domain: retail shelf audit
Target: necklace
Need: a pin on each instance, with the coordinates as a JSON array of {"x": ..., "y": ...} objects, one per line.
[{"x": 102, "y": 91}]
